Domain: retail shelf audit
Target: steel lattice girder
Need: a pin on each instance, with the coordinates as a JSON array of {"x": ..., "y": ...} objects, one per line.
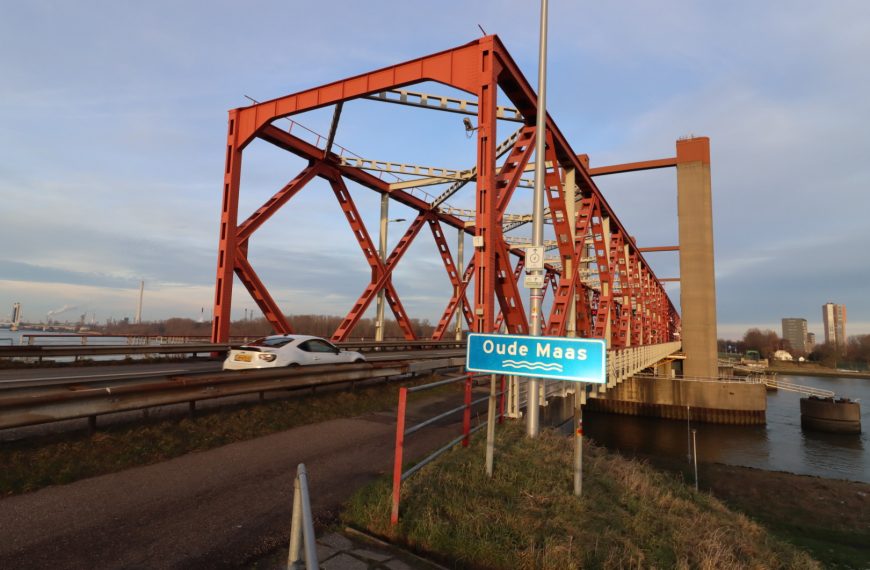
[{"x": 480, "y": 68}]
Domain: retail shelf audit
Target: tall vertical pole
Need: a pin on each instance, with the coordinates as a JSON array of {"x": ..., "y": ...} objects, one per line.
[
  {"x": 139, "y": 306},
  {"x": 490, "y": 427},
  {"x": 382, "y": 251},
  {"x": 460, "y": 268},
  {"x": 570, "y": 190},
  {"x": 537, "y": 293},
  {"x": 695, "y": 455}
]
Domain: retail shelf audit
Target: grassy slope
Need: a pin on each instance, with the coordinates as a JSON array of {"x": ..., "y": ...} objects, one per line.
[{"x": 526, "y": 516}]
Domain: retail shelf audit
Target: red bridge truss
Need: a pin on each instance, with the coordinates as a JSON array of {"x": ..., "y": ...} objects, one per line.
[{"x": 600, "y": 273}]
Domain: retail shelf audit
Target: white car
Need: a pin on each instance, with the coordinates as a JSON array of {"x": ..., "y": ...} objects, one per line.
[{"x": 288, "y": 350}]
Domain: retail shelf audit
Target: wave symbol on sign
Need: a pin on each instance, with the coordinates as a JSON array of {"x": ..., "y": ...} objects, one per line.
[{"x": 524, "y": 364}]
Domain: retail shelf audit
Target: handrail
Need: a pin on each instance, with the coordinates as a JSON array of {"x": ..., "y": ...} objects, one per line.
[
  {"x": 302, "y": 525},
  {"x": 799, "y": 388},
  {"x": 398, "y": 475}
]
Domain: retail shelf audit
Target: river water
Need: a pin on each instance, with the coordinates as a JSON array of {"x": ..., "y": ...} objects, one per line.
[{"x": 781, "y": 445}]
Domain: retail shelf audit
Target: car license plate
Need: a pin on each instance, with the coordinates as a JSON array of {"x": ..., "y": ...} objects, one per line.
[{"x": 242, "y": 358}]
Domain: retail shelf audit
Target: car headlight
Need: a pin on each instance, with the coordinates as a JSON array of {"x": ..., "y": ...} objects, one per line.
[{"x": 266, "y": 357}]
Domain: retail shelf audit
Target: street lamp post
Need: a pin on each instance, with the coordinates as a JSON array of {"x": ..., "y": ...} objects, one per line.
[
  {"x": 382, "y": 252},
  {"x": 537, "y": 293}
]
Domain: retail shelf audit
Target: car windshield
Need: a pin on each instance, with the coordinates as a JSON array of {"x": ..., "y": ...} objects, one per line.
[{"x": 273, "y": 342}]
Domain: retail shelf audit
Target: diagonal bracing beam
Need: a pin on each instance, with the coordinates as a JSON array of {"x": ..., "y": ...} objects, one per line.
[
  {"x": 455, "y": 279},
  {"x": 274, "y": 203},
  {"x": 260, "y": 294},
  {"x": 380, "y": 271}
]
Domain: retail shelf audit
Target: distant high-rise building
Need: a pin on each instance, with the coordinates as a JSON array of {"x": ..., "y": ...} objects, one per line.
[
  {"x": 834, "y": 320},
  {"x": 811, "y": 341},
  {"x": 795, "y": 332}
]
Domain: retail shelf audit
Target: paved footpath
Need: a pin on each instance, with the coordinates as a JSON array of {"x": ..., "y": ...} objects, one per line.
[
  {"x": 348, "y": 551},
  {"x": 215, "y": 509}
]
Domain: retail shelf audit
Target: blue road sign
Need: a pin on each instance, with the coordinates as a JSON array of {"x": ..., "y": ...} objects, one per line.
[{"x": 577, "y": 359}]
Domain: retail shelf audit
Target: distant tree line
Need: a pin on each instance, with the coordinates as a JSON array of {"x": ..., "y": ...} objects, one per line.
[
  {"x": 856, "y": 353},
  {"x": 317, "y": 325}
]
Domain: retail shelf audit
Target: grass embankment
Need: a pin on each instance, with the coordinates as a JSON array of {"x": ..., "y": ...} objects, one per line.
[
  {"x": 812, "y": 369},
  {"x": 527, "y": 517},
  {"x": 34, "y": 463}
]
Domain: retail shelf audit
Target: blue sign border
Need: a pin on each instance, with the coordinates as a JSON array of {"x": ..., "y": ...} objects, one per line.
[{"x": 549, "y": 375}]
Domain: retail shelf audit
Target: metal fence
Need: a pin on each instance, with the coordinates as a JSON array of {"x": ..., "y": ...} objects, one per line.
[{"x": 464, "y": 439}]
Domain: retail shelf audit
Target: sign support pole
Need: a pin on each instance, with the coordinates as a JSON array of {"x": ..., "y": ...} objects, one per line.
[
  {"x": 490, "y": 427},
  {"x": 578, "y": 446}
]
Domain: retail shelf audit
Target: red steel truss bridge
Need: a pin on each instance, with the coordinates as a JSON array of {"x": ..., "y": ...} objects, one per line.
[{"x": 601, "y": 285}]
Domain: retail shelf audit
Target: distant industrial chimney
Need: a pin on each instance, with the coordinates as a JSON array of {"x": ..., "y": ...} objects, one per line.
[
  {"x": 139, "y": 308},
  {"x": 16, "y": 316}
]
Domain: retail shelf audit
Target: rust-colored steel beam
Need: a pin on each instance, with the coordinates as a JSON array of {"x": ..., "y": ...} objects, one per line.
[
  {"x": 447, "y": 316},
  {"x": 518, "y": 270},
  {"x": 457, "y": 67},
  {"x": 228, "y": 239},
  {"x": 261, "y": 295},
  {"x": 274, "y": 203},
  {"x": 508, "y": 294},
  {"x": 455, "y": 281},
  {"x": 521, "y": 94},
  {"x": 659, "y": 248},
  {"x": 381, "y": 271},
  {"x": 487, "y": 228},
  {"x": 633, "y": 166},
  {"x": 480, "y": 68}
]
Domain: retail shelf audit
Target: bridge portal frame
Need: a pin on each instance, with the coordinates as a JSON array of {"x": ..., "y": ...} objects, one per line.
[{"x": 636, "y": 304}]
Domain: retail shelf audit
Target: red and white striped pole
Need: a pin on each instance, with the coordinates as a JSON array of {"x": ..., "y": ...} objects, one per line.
[{"x": 397, "y": 464}]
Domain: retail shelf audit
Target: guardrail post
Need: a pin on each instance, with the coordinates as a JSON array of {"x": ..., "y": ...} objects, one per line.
[
  {"x": 397, "y": 462},
  {"x": 302, "y": 525},
  {"x": 466, "y": 417}
]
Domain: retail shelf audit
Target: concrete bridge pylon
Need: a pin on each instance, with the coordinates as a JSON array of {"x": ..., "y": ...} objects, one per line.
[{"x": 697, "y": 273}]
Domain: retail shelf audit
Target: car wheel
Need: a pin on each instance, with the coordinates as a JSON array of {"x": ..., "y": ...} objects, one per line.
[
  {"x": 358, "y": 361},
  {"x": 293, "y": 365}
]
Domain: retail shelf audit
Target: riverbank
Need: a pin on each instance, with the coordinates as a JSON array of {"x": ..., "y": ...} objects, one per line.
[
  {"x": 632, "y": 512},
  {"x": 829, "y": 518},
  {"x": 812, "y": 369}
]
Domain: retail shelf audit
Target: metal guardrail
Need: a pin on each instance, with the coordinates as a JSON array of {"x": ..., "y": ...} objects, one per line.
[
  {"x": 61, "y": 351},
  {"x": 45, "y": 405}
]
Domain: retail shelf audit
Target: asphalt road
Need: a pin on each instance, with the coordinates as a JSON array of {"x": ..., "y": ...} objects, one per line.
[
  {"x": 12, "y": 377},
  {"x": 214, "y": 509}
]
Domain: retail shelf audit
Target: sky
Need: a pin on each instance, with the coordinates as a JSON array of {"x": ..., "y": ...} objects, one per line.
[{"x": 114, "y": 133}]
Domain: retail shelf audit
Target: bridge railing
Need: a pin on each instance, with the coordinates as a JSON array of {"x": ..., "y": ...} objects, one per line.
[
  {"x": 402, "y": 432},
  {"x": 622, "y": 363}
]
